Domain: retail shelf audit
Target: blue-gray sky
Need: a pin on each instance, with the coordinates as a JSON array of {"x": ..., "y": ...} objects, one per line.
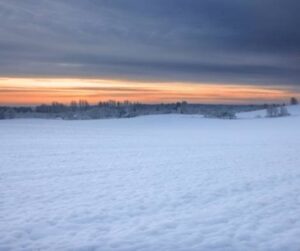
[{"x": 232, "y": 41}]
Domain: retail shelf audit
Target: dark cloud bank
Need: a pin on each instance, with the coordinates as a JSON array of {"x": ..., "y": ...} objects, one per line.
[{"x": 234, "y": 41}]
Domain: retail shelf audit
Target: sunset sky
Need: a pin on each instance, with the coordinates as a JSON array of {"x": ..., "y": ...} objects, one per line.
[{"x": 205, "y": 51}]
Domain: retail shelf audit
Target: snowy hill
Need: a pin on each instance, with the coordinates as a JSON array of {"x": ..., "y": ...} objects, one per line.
[
  {"x": 165, "y": 182},
  {"x": 294, "y": 110}
]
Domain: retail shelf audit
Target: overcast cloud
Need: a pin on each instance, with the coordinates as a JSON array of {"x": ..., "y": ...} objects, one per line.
[{"x": 233, "y": 41}]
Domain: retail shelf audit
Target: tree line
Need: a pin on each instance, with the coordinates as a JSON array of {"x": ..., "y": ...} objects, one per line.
[{"x": 81, "y": 109}]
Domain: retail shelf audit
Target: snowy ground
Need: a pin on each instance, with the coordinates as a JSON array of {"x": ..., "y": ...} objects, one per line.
[{"x": 154, "y": 183}]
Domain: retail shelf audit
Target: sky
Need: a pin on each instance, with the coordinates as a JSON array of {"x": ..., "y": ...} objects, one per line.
[{"x": 204, "y": 51}]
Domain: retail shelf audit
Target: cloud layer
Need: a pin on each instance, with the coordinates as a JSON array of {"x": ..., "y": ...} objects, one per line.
[
  {"x": 15, "y": 91},
  {"x": 233, "y": 41}
]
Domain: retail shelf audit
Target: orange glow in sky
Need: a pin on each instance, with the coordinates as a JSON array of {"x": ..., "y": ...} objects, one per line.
[{"x": 30, "y": 91}]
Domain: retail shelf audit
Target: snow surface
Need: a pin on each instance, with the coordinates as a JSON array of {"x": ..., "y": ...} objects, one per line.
[
  {"x": 165, "y": 182},
  {"x": 294, "y": 110}
]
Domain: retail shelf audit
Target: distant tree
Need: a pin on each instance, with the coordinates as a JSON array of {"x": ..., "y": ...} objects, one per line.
[
  {"x": 73, "y": 106},
  {"x": 181, "y": 107},
  {"x": 43, "y": 108},
  {"x": 100, "y": 104},
  {"x": 111, "y": 103},
  {"x": 57, "y": 107},
  {"x": 178, "y": 107},
  {"x": 23, "y": 109},
  {"x": 227, "y": 115},
  {"x": 220, "y": 114},
  {"x": 272, "y": 111},
  {"x": 83, "y": 105},
  {"x": 283, "y": 111},
  {"x": 9, "y": 113},
  {"x": 184, "y": 107},
  {"x": 294, "y": 101}
]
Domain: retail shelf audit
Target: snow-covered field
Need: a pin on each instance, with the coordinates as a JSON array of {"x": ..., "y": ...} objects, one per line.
[{"x": 153, "y": 183}]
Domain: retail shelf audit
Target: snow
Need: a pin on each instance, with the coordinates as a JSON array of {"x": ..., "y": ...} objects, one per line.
[
  {"x": 164, "y": 182},
  {"x": 292, "y": 109}
]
